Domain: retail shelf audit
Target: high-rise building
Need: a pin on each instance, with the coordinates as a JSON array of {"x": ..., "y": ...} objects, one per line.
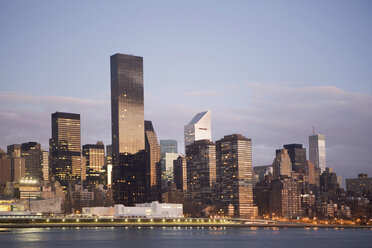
[
  {"x": 5, "y": 168},
  {"x": 133, "y": 156},
  {"x": 18, "y": 163},
  {"x": 153, "y": 169},
  {"x": 45, "y": 165},
  {"x": 328, "y": 181},
  {"x": 282, "y": 164},
  {"x": 180, "y": 173},
  {"x": 201, "y": 176},
  {"x": 32, "y": 153},
  {"x": 284, "y": 198},
  {"x": 317, "y": 151},
  {"x": 127, "y": 105},
  {"x": 234, "y": 176},
  {"x": 199, "y": 128},
  {"x": 297, "y": 154},
  {"x": 95, "y": 160},
  {"x": 167, "y": 168},
  {"x": 168, "y": 146},
  {"x": 108, "y": 163},
  {"x": 360, "y": 186},
  {"x": 65, "y": 148}
]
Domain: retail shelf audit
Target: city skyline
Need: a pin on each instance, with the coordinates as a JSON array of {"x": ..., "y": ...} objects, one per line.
[{"x": 242, "y": 99}]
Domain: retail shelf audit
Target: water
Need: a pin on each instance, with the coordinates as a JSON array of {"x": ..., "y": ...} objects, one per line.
[{"x": 181, "y": 237}]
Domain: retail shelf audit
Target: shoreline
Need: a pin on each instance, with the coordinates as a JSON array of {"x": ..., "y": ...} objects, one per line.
[{"x": 196, "y": 225}]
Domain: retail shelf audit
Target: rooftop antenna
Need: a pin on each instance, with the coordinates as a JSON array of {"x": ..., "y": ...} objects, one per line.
[{"x": 313, "y": 130}]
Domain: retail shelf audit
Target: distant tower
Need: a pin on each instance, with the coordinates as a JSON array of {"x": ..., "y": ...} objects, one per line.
[
  {"x": 199, "y": 128},
  {"x": 297, "y": 154},
  {"x": 168, "y": 146},
  {"x": 317, "y": 151},
  {"x": 282, "y": 164}
]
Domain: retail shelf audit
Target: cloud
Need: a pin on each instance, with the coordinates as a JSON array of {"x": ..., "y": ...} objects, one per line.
[
  {"x": 282, "y": 113},
  {"x": 25, "y": 117},
  {"x": 201, "y": 93},
  {"x": 270, "y": 114}
]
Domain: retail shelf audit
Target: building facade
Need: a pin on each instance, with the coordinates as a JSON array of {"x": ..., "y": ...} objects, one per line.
[
  {"x": 199, "y": 128},
  {"x": 297, "y": 154},
  {"x": 282, "y": 165},
  {"x": 95, "y": 161},
  {"x": 180, "y": 173},
  {"x": 234, "y": 176},
  {"x": 317, "y": 151},
  {"x": 168, "y": 146},
  {"x": 65, "y": 148},
  {"x": 201, "y": 176},
  {"x": 32, "y": 153},
  {"x": 135, "y": 149}
]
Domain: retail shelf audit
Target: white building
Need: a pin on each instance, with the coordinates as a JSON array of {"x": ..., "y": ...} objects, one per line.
[
  {"x": 317, "y": 151},
  {"x": 148, "y": 210},
  {"x": 199, "y": 128}
]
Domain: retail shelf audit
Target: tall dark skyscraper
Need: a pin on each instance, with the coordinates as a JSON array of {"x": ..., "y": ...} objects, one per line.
[
  {"x": 127, "y": 104},
  {"x": 134, "y": 173},
  {"x": 65, "y": 148}
]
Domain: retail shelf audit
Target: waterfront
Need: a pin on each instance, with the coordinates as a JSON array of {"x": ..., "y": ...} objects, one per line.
[{"x": 184, "y": 237}]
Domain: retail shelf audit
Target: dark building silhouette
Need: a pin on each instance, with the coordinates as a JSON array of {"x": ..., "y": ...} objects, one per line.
[
  {"x": 201, "y": 176},
  {"x": 180, "y": 173}
]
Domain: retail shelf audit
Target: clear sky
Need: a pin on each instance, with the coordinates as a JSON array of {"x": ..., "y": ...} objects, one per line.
[{"x": 269, "y": 70}]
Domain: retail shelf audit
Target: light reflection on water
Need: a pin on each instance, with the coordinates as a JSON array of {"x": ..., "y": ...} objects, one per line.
[{"x": 183, "y": 237}]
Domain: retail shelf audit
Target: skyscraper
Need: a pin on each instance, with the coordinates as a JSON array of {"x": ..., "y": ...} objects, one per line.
[
  {"x": 32, "y": 153},
  {"x": 199, "y": 128},
  {"x": 234, "y": 176},
  {"x": 152, "y": 169},
  {"x": 127, "y": 105},
  {"x": 18, "y": 163},
  {"x": 297, "y": 154},
  {"x": 65, "y": 148},
  {"x": 282, "y": 164},
  {"x": 168, "y": 146},
  {"x": 317, "y": 151},
  {"x": 133, "y": 156},
  {"x": 180, "y": 173},
  {"x": 201, "y": 175},
  {"x": 95, "y": 160}
]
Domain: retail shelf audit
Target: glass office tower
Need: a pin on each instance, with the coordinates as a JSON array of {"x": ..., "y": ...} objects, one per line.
[
  {"x": 134, "y": 173},
  {"x": 317, "y": 151}
]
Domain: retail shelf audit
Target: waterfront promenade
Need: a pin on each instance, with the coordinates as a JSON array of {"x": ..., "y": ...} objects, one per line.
[{"x": 41, "y": 222}]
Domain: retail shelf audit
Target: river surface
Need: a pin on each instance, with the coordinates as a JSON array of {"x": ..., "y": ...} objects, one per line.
[{"x": 180, "y": 237}]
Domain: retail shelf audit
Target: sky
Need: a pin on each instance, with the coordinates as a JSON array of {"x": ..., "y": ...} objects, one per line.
[{"x": 270, "y": 70}]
